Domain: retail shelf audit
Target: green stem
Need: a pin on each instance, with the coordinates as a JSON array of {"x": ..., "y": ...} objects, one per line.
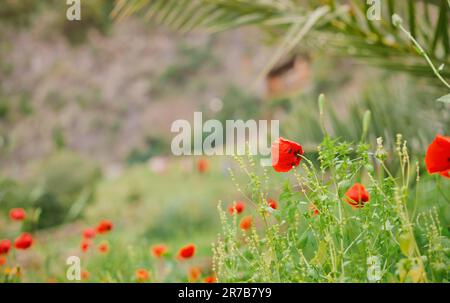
[{"x": 424, "y": 54}]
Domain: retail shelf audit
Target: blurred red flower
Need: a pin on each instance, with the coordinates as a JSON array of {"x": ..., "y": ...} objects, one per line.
[
  {"x": 357, "y": 196},
  {"x": 2, "y": 260},
  {"x": 313, "y": 210},
  {"x": 5, "y": 246},
  {"x": 24, "y": 241},
  {"x": 246, "y": 223},
  {"x": 142, "y": 275},
  {"x": 272, "y": 203},
  {"x": 17, "y": 214},
  {"x": 187, "y": 251},
  {"x": 85, "y": 244},
  {"x": 285, "y": 154},
  {"x": 437, "y": 158},
  {"x": 103, "y": 247},
  {"x": 89, "y": 233},
  {"x": 210, "y": 279},
  {"x": 202, "y": 165},
  {"x": 158, "y": 250},
  {"x": 237, "y": 207},
  {"x": 104, "y": 226},
  {"x": 84, "y": 275},
  {"x": 194, "y": 273}
]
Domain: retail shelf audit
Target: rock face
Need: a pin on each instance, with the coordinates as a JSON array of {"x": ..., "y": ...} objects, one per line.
[{"x": 107, "y": 96}]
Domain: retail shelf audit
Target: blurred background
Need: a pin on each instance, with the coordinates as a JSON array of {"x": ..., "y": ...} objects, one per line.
[{"x": 86, "y": 109}]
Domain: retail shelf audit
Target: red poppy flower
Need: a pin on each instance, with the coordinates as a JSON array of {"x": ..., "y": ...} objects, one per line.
[
  {"x": 2, "y": 260},
  {"x": 5, "y": 246},
  {"x": 272, "y": 203},
  {"x": 103, "y": 247},
  {"x": 313, "y": 209},
  {"x": 285, "y": 154},
  {"x": 24, "y": 241},
  {"x": 202, "y": 165},
  {"x": 104, "y": 226},
  {"x": 158, "y": 250},
  {"x": 85, "y": 244},
  {"x": 142, "y": 275},
  {"x": 437, "y": 158},
  {"x": 17, "y": 214},
  {"x": 84, "y": 275},
  {"x": 89, "y": 233},
  {"x": 237, "y": 207},
  {"x": 357, "y": 196},
  {"x": 187, "y": 251},
  {"x": 194, "y": 273},
  {"x": 210, "y": 279},
  {"x": 246, "y": 223}
]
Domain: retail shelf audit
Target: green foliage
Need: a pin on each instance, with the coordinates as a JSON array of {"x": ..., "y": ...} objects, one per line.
[
  {"x": 337, "y": 26},
  {"x": 391, "y": 104},
  {"x": 382, "y": 241},
  {"x": 94, "y": 15},
  {"x": 4, "y": 108},
  {"x": 189, "y": 61},
  {"x": 232, "y": 101},
  {"x": 58, "y": 138},
  {"x": 18, "y": 13},
  {"x": 61, "y": 183},
  {"x": 154, "y": 146}
]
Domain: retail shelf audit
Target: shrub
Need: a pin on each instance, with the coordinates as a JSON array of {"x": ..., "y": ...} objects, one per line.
[{"x": 64, "y": 184}]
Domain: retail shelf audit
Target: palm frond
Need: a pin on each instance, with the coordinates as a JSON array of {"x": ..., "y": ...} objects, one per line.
[{"x": 341, "y": 24}]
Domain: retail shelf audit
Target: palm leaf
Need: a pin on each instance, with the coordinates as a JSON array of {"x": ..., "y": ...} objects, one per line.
[{"x": 342, "y": 24}]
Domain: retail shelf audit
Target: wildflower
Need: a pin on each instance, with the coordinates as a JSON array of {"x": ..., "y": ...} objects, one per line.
[
  {"x": 103, "y": 247},
  {"x": 246, "y": 223},
  {"x": 437, "y": 158},
  {"x": 142, "y": 275},
  {"x": 272, "y": 203},
  {"x": 84, "y": 275},
  {"x": 202, "y": 165},
  {"x": 17, "y": 214},
  {"x": 2, "y": 260},
  {"x": 313, "y": 210},
  {"x": 357, "y": 196},
  {"x": 187, "y": 251},
  {"x": 104, "y": 226},
  {"x": 89, "y": 233},
  {"x": 285, "y": 154},
  {"x": 194, "y": 273},
  {"x": 237, "y": 207},
  {"x": 24, "y": 241},
  {"x": 158, "y": 250},
  {"x": 210, "y": 279},
  {"x": 85, "y": 244},
  {"x": 5, "y": 246}
]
